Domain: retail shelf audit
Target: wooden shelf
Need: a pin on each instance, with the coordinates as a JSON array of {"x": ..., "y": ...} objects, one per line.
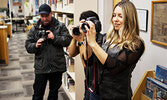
[
  {"x": 72, "y": 74},
  {"x": 64, "y": 12},
  {"x": 140, "y": 90},
  {"x": 4, "y": 56},
  {"x": 71, "y": 95}
]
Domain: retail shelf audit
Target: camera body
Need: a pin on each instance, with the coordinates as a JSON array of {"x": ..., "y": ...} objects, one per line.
[
  {"x": 92, "y": 19},
  {"x": 43, "y": 34}
]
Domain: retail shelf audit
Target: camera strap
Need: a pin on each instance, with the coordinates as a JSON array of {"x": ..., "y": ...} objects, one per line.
[{"x": 96, "y": 74}]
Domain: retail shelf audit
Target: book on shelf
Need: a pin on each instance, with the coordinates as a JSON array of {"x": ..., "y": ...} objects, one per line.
[
  {"x": 71, "y": 62},
  {"x": 161, "y": 74},
  {"x": 65, "y": 79},
  {"x": 155, "y": 89},
  {"x": 71, "y": 84},
  {"x": 67, "y": 61},
  {"x": 65, "y": 19},
  {"x": 59, "y": 5},
  {"x": 64, "y": 5},
  {"x": 53, "y": 7},
  {"x": 71, "y": 65},
  {"x": 71, "y": 5}
]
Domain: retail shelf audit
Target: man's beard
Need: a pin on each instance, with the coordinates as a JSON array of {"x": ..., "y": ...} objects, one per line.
[{"x": 46, "y": 23}]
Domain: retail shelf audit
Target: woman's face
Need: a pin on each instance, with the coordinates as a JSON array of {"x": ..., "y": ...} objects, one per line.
[{"x": 117, "y": 18}]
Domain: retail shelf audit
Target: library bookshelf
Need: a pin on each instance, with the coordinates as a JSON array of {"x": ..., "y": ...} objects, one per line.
[
  {"x": 63, "y": 10},
  {"x": 68, "y": 12}
]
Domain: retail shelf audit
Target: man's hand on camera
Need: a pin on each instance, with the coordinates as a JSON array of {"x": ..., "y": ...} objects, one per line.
[
  {"x": 50, "y": 35},
  {"x": 39, "y": 42}
]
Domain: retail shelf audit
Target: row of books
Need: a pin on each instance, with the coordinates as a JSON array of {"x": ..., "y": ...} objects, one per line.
[
  {"x": 65, "y": 19},
  {"x": 156, "y": 89},
  {"x": 62, "y": 5},
  {"x": 69, "y": 82}
]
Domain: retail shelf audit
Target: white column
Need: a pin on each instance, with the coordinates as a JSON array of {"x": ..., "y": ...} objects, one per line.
[{"x": 105, "y": 8}]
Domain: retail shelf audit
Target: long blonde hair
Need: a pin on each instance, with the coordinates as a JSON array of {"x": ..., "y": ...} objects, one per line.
[{"x": 129, "y": 37}]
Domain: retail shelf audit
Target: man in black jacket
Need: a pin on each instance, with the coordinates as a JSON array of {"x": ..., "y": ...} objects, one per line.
[{"x": 46, "y": 40}]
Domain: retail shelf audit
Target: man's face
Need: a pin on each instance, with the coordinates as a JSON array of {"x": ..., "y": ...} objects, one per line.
[{"x": 46, "y": 19}]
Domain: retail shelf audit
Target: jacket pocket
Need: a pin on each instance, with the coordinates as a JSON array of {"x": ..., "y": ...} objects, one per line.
[
  {"x": 39, "y": 60},
  {"x": 58, "y": 62}
]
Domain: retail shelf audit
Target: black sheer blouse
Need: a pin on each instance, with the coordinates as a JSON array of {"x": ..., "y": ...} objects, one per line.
[
  {"x": 116, "y": 72},
  {"x": 118, "y": 60}
]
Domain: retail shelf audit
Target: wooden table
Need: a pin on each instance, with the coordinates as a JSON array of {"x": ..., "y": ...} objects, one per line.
[{"x": 16, "y": 21}]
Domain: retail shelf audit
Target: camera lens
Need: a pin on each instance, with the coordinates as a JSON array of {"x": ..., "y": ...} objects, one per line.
[
  {"x": 83, "y": 27},
  {"x": 76, "y": 30},
  {"x": 97, "y": 26}
]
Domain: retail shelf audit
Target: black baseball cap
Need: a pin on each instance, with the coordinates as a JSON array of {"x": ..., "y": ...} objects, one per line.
[{"x": 44, "y": 9}]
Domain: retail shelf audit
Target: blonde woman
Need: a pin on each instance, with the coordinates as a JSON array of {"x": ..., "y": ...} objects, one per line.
[{"x": 119, "y": 54}]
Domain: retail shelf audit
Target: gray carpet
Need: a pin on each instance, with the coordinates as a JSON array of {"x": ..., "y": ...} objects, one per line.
[{"x": 16, "y": 78}]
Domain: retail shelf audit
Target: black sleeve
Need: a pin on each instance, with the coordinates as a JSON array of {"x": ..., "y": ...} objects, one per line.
[
  {"x": 30, "y": 43},
  {"x": 125, "y": 58},
  {"x": 63, "y": 38}
]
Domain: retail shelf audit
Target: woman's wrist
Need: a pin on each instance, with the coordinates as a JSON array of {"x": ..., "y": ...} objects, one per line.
[
  {"x": 93, "y": 44},
  {"x": 81, "y": 43}
]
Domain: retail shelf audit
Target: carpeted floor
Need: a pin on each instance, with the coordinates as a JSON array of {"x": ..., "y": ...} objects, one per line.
[{"x": 16, "y": 78}]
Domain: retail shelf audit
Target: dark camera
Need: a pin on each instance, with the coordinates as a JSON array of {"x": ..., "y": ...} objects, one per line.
[
  {"x": 92, "y": 19},
  {"x": 43, "y": 34}
]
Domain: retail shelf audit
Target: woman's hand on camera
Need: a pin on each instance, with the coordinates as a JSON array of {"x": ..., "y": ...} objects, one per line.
[
  {"x": 91, "y": 33},
  {"x": 80, "y": 25}
]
